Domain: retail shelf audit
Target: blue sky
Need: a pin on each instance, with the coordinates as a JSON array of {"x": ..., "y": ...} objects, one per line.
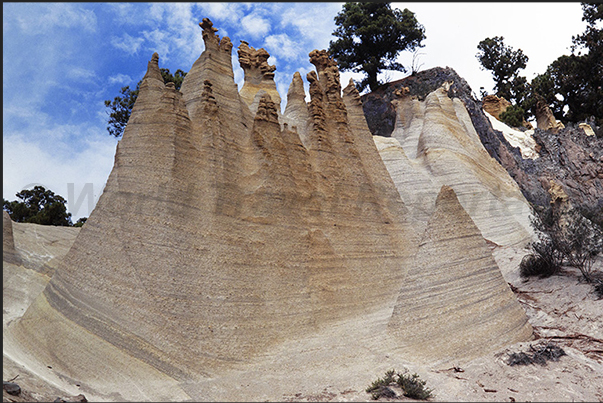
[{"x": 62, "y": 60}]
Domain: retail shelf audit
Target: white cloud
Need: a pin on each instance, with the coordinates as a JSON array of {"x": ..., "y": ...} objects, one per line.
[
  {"x": 227, "y": 12},
  {"x": 39, "y": 18},
  {"x": 120, "y": 79},
  {"x": 27, "y": 162},
  {"x": 254, "y": 25},
  {"x": 281, "y": 45},
  {"x": 82, "y": 74},
  {"x": 313, "y": 21},
  {"x": 127, "y": 43}
]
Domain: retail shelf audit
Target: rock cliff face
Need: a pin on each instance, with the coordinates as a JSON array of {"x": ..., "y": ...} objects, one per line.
[
  {"x": 473, "y": 309},
  {"x": 568, "y": 155},
  {"x": 436, "y": 139},
  {"x": 223, "y": 232}
]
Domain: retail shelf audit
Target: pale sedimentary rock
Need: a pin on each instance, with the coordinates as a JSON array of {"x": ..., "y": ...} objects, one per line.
[
  {"x": 222, "y": 235},
  {"x": 259, "y": 76},
  {"x": 219, "y": 235},
  {"x": 9, "y": 253},
  {"x": 458, "y": 306},
  {"x": 437, "y": 135},
  {"x": 296, "y": 114},
  {"x": 516, "y": 138}
]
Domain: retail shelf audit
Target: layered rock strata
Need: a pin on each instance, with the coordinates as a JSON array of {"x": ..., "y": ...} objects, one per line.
[
  {"x": 259, "y": 76},
  {"x": 439, "y": 143},
  {"x": 221, "y": 234},
  {"x": 462, "y": 305},
  {"x": 218, "y": 234},
  {"x": 9, "y": 253}
]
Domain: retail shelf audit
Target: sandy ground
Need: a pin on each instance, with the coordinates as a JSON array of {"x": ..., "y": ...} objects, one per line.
[{"x": 562, "y": 310}]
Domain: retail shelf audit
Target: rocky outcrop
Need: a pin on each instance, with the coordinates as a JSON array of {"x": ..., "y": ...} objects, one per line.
[
  {"x": 259, "y": 76},
  {"x": 9, "y": 253},
  {"x": 570, "y": 156},
  {"x": 460, "y": 303},
  {"x": 222, "y": 235},
  {"x": 516, "y": 138},
  {"x": 495, "y": 105},
  {"x": 574, "y": 161},
  {"x": 437, "y": 136},
  {"x": 545, "y": 119},
  {"x": 219, "y": 235}
]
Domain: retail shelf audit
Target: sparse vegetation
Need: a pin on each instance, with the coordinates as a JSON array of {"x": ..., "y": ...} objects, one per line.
[
  {"x": 410, "y": 385},
  {"x": 566, "y": 237},
  {"x": 540, "y": 354}
]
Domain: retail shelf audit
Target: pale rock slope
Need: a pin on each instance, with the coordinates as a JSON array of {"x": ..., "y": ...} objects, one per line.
[
  {"x": 219, "y": 235},
  {"x": 457, "y": 318},
  {"x": 9, "y": 254},
  {"x": 225, "y": 244},
  {"x": 523, "y": 140},
  {"x": 438, "y": 141}
]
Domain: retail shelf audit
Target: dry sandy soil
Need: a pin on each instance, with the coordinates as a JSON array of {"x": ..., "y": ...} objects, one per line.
[{"x": 562, "y": 310}]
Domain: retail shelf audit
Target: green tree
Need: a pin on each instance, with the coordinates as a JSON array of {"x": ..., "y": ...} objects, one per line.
[
  {"x": 80, "y": 222},
  {"x": 504, "y": 63},
  {"x": 370, "y": 37},
  {"x": 121, "y": 106},
  {"x": 38, "y": 206},
  {"x": 572, "y": 85}
]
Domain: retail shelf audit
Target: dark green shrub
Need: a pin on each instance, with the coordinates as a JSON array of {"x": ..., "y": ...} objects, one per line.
[
  {"x": 413, "y": 387},
  {"x": 512, "y": 116},
  {"x": 383, "y": 391},
  {"x": 387, "y": 380},
  {"x": 544, "y": 261}
]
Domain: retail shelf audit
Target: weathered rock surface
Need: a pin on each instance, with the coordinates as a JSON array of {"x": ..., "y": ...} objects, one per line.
[
  {"x": 545, "y": 119},
  {"x": 219, "y": 235},
  {"x": 259, "y": 76},
  {"x": 437, "y": 136},
  {"x": 580, "y": 177},
  {"x": 222, "y": 239},
  {"x": 456, "y": 318},
  {"x": 572, "y": 159},
  {"x": 516, "y": 138},
  {"x": 495, "y": 105},
  {"x": 9, "y": 254},
  {"x": 296, "y": 114}
]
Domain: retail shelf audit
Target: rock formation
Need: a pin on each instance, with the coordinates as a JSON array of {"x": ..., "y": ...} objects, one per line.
[
  {"x": 570, "y": 157},
  {"x": 259, "y": 76},
  {"x": 588, "y": 130},
  {"x": 218, "y": 234},
  {"x": 495, "y": 105},
  {"x": 9, "y": 253},
  {"x": 221, "y": 235},
  {"x": 296, "y": 114},
  {"x": 516, "y": 138},
  {"x": 437, "y": 136},
  {"x": 462, "y": 304},
  {"x": 545, "y": 120}
]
